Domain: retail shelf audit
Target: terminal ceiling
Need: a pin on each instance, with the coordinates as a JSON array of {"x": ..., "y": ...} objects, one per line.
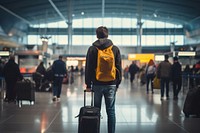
[{"x": 18, "y": 12}]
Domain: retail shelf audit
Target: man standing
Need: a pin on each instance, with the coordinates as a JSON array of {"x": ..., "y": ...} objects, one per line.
[
  {"x": 59, "y": 72},
  {"x": 176, "y": 77},
  {"x": 164, "y": 74},
  {"x": 12, "y": 74},
  {"x": 103, "y": 88}
]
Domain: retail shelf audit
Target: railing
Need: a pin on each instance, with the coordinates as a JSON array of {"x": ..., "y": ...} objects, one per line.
[{"x": 190, "y": 80}]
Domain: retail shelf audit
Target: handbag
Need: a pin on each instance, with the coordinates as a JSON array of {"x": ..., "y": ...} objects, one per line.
[{"x": 156, "y": 83}]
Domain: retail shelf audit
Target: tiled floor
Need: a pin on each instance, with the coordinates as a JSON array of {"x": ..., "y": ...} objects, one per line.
[{"x": 137, "y": 112}]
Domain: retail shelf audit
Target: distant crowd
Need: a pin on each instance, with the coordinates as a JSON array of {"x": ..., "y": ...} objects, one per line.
[{"x": 164, "y": 72}]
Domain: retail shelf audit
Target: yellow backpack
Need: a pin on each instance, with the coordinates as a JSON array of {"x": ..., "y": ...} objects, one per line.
[{"x": 106, "y": 70}]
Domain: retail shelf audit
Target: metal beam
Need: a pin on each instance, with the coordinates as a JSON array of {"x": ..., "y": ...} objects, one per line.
[
  {"x": 69, "y": 23},
  {"x": 103, "y": 8},
  {"x": 57, "y": 10},
  {"x": 14, "y": 14},
  {"x": 103, "y": 11}
]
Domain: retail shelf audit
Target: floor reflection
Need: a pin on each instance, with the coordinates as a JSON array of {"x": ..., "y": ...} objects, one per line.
[{"x": 136, "y": 112}]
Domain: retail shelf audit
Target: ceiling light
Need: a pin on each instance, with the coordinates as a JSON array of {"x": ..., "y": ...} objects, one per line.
[
  {"x": 10, "y": 34},
  {"x": 155, "y": 15},
  {"x": 82, "y": 13}
]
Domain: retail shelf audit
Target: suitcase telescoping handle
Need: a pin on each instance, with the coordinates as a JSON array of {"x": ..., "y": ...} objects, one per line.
[{"x": 92, "y": 97}]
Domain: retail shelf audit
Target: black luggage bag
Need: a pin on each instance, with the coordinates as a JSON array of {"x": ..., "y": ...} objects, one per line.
[
  {"x": 192, "y": 102},
  {"x": 89, "y": 117},
  {"x": 25, "y": 91}
]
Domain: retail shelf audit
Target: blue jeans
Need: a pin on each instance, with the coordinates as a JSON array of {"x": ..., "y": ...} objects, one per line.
[
  {"x": 149, "y": 79},
  {"x": 57, "y": 86},
  {"x": 109, "y": 92},
  {"x": 164, "y": 82}
]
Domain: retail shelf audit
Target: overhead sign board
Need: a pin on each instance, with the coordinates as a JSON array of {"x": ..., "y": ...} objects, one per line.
[
  {"x": 144, "y": 58},
  {"x": 4, "y": 53}
]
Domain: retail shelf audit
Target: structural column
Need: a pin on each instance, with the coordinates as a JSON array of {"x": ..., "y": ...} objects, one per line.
[
  {"x": 139, "y": 36},
  {"x": 103, "y": 11},
  {"x": 139, "y": 25},
  {"x": 69, "y": 23}
]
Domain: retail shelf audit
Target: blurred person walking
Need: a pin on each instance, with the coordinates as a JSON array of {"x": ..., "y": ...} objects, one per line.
[
  {"x": 59, "y": 72},
  {"x": 133, "y": 69},
  {"x": 12, "y": 74},
  {"x": 176, "y": 77},
  {"x": 126, "y": 72},
  {"x": 38, "y": 76},
  {"x": 41, "y": 69},
  {"x": 150, "y": 75},
  {"x": 186, "y": 76},
  {"x": 164, "y": 74}
]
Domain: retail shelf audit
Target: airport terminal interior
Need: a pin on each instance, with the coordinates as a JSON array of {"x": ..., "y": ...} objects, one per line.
[{"x": 42, "y": 30}]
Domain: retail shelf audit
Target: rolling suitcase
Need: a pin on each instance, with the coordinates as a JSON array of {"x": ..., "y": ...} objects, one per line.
[
  {"x": 89, "y": 117},
  {"x": 25, "y": 91},
  {"x": 192, "y": 103}
]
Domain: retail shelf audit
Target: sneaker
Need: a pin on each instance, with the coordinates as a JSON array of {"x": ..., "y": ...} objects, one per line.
[
  {"x": 58, "y": 99},
  {"x": 161, "y": 98},
  {"x": 54, "y": 99}
]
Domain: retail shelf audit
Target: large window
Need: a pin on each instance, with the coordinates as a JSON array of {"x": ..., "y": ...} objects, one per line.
[
  {"x": 109, "y": 22},
  {"x": 58, "y": 39},
  {"x": 33, "y": 39},
  {"x": 123, "y": 39},
  {"x": 161, "y": 40}
]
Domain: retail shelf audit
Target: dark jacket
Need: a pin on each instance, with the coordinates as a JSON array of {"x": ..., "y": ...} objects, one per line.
[
  {"x": 59, "y": 68},
  {"x": 164, "y": 69},
  {"x": 11, "y": 71},
  {"x": 41, "y": 69},
  {"x": 133, "y": 69},
  {"x": 91, "y": 63},
  {"x": 176, "y": 71}
]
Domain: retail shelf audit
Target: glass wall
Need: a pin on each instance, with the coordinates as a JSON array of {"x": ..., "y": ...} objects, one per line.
[
  {"x": 58, "y": 39},
  {"x": 120, "y": 40}
]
